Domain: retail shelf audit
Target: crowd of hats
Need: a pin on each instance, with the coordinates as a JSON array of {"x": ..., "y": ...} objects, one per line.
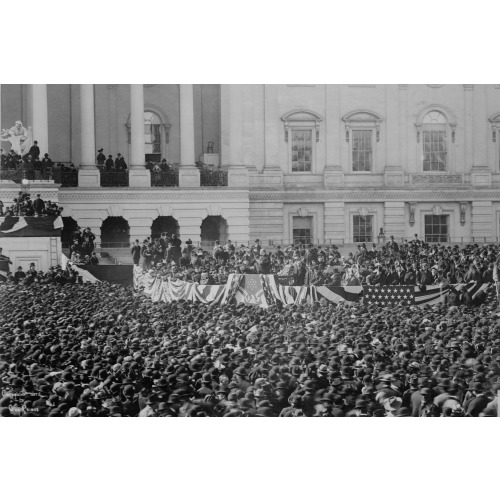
[
  {"x": 69, "y": 349},
  {"x": 24, "y": 206}
]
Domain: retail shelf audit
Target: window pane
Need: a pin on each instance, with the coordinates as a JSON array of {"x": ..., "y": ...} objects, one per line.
[
  {"x": 301, "y": 148},
  {"x": 362, "y": 228},
  {"x": 436, "y": 228},
  {"x": 361, "y": 150}
]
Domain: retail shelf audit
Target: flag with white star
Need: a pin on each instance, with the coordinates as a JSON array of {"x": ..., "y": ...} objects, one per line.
[{"x": 389, "y": 295}]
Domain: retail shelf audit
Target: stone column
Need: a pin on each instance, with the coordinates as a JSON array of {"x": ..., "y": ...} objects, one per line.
[
  {"x": 481, "y": 172},
  {"x": 40, "y": 117},
  {"x": 190, "y": 228},
  {"x": 394, "y": 219},
  {"x": 333, "y": 175},
  {"x": 189, "y": 175},
  {"x": 482, "y": 220},
  {"x": 88, "y": 174},
  {"x": 335, "y": 230},
  {"x": 140, "y": 229},
  {"x": 139, "y": 175},
  {"x": 232, "y": 140},
  {"x": 272, "y": 122},
  {"x": 393, "y": 173}
]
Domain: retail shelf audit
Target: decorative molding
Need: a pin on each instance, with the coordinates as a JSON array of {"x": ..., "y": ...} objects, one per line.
[
  {"x": 303, "y": 212},
  {"x": 468, "y": 87},
  {"x": 463, "y": 208},
  {"x": 495, "y": 125},
  {"x": 435, "y": 85},
  {"x": 437, "y": 210},
  {"x": 363, "y": 211},
  {"x": 377, "y": 195},
  {"x": 362, "y": 117},
  {"x": 403, "y": 86},
  {"x": 214, "y": 210},
  {"x": 437, "y": 179},
  {"x": 413, "y": 207},
  {"x": 303, "y": 117}
]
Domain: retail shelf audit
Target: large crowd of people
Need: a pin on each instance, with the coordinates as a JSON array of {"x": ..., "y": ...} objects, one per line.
[
  {"x": 413, "y": 262},
  {"x": 82, "y": 350}
]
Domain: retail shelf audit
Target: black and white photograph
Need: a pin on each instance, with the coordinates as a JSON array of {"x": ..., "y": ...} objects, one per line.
[{"x": 223, "y": 243}]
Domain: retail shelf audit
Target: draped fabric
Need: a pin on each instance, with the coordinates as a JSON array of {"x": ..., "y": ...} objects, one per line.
[
  {"x": 21, "y": 227},
  {"x": 265, "y": 290}
]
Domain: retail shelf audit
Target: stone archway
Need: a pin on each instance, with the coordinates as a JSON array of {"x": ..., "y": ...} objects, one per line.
[
  {"x": 115, "y": 233},
  {"x": 214, "y": 227},
  {"x": 167, "y": 225}
]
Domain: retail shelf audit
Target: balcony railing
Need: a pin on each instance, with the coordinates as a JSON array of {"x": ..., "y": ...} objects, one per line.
[
  {"x": 114, "y": 179},
  {"x": 213, "y": 177},
  {"x": 165, "y": 179},
  {"x": 69, "y": 179}
]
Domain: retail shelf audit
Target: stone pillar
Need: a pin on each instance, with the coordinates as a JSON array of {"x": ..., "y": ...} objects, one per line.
[
  {"x": 482, "y": 220},
  {"x": 333, "y": 175},
  {"x": 403, "y": 125},
  {"x": 394, "y": 219},
  {"x": 40, "y": 117},
  {"x": 335, "y": 223},
  {"x": 393, "y": 173},
  {"x": 140, "y": 229},
  {"x": 88, "y": 174},
  {"x": 189, "y": 175},
  {"x": 272, "y": 122},
  {"x": 139, "y": 175},
  {"x": 190, "y": 228},
  {"x": 469, "y": 126},
  {"x": 232, "y": 140},
  {"x": 481, "y": 172}
]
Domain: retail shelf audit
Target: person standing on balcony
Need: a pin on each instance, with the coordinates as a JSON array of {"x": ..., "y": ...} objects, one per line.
[
  {"x": 46, "y": 167},
  {"x": 110, "y": 164},
  {"x": 164, "y": 166},
  {"x": 101, "y": 159},
  {"x": 38, "y": 205},
  {"x": 120, "y": 164},
  {"x": 34, "y": 151}
]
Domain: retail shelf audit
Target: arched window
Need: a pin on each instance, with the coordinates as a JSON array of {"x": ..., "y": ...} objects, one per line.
[
  {"x": 302, "y": 129},
  {"x": 435, "y": 138},
  {"x": 434, "y": 142},
  {"x": 152, "y": 137},
  {"x": 362, "y": 131},
  {"x": 156, "y": 135}
]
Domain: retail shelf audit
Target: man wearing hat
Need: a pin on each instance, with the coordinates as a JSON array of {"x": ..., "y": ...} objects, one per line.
[
  {"x": 101, "y": 159},
  {"x": 46, "y": 166},
  {"x": 110, "y": 164},
  {"x": 120, "y": 164},
  {"x": 34, "y": 151}
]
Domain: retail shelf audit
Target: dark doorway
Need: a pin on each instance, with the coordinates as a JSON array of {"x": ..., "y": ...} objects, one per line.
[
  {"x": 162, "y": 225},
  {"x": 214, "y": 227},
  {"x": 115, "y": 232}
]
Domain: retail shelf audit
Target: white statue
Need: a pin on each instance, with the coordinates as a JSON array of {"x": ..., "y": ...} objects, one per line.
[{"x": 19, "y": 137}]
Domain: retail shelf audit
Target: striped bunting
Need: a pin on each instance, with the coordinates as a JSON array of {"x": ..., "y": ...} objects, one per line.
[{"x": 265, "y": 290}]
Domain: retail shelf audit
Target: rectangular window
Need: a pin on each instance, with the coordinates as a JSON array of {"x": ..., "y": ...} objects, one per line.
[
  {"x": 362, "y": 228},
  {"x": 436, "y": 228},
  {"x": 434, "y": 144},
  {"x": 361, "y": 150},
  {"x": 302, "y": 230},
  {"x": 301, "y": 150}
]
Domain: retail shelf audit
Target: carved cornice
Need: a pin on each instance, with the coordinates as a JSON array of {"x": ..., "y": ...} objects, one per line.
[
  {"x": 71, "y": 196},
  {"x": 378, "y": 195}
]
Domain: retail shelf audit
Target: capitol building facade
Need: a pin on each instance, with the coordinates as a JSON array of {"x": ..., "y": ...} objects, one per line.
[{"x": 280, "y": 163}]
